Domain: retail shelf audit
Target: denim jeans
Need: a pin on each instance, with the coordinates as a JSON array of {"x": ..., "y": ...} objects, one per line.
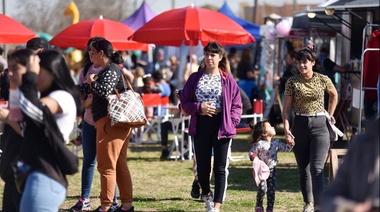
[
  {"x": 42, "y": 193},
  {"x": 311, "y": 148},
  {"x": 89, "y": 158}
]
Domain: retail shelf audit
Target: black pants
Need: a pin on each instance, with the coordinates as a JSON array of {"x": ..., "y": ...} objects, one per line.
[
  {"x": 311, "y": 149},
  {"x": 11, "y": 197},
  {"x": 205, "y": 142},
  {"x": 268, "y": 187},
  {"x": 165, "y": 128}
]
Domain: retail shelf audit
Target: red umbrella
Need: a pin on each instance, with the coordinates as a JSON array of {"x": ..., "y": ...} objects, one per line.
[
  {"x": 78, "y": 34},
  {"x": 191, "y": 25},
  {"x": 13, "y": 32}
]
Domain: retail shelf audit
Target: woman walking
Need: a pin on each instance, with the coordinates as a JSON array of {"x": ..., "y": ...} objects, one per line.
[
  {"x": 212, "y": 98},
  {"x": 305, "y": 92}
]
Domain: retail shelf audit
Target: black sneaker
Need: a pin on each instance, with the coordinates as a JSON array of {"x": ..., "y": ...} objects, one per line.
[
  {"x": 195, "y": 190},
  {"x": 109, "y": 210},
  {"x": 81, "y": 205},
  {"x": 115, "y": 205},
  {"x": 120, "y": 209},
  {"x": 165, "y": 154}
]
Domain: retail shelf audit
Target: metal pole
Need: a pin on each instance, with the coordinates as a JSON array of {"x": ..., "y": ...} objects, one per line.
[
  {"x": 4, "y": 46},
  {"x": 361, "y": 74},
  {"x": 363, "y": 88},
  {"x": 254, "y": 11}
]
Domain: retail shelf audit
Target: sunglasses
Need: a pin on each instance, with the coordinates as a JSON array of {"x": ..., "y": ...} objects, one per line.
[{"x": 89, "y": 48}]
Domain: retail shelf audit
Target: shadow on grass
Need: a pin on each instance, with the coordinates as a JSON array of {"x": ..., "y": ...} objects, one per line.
[{"x": 287, "y": 178}]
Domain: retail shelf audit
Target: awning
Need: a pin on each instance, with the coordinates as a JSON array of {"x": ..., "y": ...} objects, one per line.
[
  {"x": 302, "y": 21},
  {"x": 328, "y": 15},
  {"x": 354, "y": 4}
]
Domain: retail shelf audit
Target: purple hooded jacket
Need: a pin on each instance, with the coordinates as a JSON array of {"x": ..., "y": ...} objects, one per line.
[{"x": 231, "y": 104}]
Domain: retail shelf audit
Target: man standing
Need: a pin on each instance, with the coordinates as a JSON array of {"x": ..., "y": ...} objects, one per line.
[{"x": 328, "y": 67}]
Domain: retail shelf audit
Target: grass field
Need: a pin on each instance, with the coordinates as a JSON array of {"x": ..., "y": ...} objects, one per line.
[{"x": 165, "y": 185}]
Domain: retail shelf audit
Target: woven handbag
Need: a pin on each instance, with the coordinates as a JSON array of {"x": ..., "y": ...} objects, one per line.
[{"x": 126, "y": 109}]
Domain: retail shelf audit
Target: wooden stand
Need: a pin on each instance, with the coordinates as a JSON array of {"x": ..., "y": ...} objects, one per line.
[{"x": 335, "y": 154}]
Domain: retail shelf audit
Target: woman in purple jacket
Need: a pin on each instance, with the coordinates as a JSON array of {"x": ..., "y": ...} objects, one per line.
[{"x": 212, "y": 97}]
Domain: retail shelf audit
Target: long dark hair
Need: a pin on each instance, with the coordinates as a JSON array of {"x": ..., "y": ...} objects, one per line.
[
  {"x": 215, "y": 47},
  {"x": 309, "y": 53},
  {"x": 258, "y": 130},
  {"x": 106, "y": 46},
  {"x": 55, "y": 63}
]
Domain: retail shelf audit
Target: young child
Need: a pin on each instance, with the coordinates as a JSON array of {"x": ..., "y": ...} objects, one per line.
[{"x": 266, "y": 150}]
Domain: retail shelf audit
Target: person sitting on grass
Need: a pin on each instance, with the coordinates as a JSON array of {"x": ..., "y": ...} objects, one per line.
[{"x": 264, "y": 150}]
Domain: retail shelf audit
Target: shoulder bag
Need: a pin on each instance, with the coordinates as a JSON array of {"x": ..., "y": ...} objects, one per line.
[{"x": 126, "y": 110}]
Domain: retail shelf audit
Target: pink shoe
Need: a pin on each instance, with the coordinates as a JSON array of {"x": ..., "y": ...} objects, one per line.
[{"x": 259, "y": 209}]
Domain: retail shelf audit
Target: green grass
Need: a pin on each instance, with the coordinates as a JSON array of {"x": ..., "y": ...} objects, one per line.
[{"x": 165, "y": 185}]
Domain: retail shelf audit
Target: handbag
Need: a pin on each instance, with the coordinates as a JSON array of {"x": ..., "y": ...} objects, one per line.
[
  {"x": 21, "y": 172},
  {"x": 66, "y": 160},
  {"x": 126, "y": 110}
]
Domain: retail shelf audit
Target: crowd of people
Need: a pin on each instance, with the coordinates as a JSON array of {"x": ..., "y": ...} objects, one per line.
[{"x": 43, "y": 97}]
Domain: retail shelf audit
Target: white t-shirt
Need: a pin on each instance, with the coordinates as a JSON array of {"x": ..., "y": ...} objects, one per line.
[{"x": 66, "y": 119}]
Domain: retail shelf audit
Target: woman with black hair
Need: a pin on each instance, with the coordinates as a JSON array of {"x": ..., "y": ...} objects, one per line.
[
  {"x": 47, "y": 92},
  {"x": 111, "y": 142},
  {"x": 88, "y": 136},
  {"x": 212, "y": 97},
  {"x": 305, "y": 92}
]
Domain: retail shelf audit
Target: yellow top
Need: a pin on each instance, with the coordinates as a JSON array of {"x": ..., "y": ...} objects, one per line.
[{"x": 308, "y": 94}]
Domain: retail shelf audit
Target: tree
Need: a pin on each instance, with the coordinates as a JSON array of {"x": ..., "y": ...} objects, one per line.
[{"x": 47, "y": 15}]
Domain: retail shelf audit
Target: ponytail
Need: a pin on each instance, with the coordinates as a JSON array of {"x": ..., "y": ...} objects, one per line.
[{"x": 117, "y": 58}]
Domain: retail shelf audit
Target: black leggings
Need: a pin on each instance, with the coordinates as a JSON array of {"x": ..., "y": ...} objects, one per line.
[
  {"x": 267, "y": 186},
  {"x": 206, "y": 142}
]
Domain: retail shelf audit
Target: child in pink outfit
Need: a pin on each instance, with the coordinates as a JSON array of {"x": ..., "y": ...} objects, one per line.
[{"x": 266, "y": 150}]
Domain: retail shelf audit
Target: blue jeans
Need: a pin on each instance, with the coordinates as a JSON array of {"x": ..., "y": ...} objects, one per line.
[
  {"x": 89, "y": 158},
  {"x": 312, "y": 143},
  {"x": 42, "y": 193}
]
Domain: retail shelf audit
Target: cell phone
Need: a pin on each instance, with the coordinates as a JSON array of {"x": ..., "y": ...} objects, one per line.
[{"x": 96, "y": 77}]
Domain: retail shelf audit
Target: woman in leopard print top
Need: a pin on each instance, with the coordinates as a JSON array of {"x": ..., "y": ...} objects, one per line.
[{"x": 305, "y": 92}]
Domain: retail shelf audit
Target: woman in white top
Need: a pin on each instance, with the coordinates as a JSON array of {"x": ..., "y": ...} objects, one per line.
[{"x": 47, "y": 92}]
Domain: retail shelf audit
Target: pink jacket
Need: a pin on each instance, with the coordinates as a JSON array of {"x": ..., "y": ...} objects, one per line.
[{"x": 260, "y": 170}]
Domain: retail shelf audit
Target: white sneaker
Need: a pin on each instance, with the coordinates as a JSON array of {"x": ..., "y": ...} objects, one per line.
[
  {"x": 213, "y": 210},
  {"x": 308, "y": 207},
  {"x": 209, "y": 201}
]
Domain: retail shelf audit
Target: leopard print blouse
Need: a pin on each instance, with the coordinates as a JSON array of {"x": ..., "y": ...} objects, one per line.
[
  {"x": 308, "y": 94},
  {"x": 209, "y": 89}
]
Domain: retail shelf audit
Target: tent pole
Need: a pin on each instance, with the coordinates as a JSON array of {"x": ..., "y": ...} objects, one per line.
[{"x": 254, "y": 11}]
